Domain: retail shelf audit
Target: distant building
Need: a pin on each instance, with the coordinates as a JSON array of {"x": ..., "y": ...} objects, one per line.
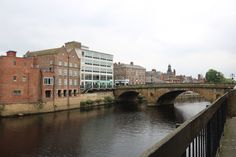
[
  {"x": 170, "y": 76},
  {"x": 96, "y": 69},
  {"x": 153, "y": 77},
  {"x": 129, "y": 74},
  {"x": 20, "y": 80}
]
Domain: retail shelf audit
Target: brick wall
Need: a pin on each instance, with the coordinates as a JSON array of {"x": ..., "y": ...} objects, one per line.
[{"x": 19, "y": 80}]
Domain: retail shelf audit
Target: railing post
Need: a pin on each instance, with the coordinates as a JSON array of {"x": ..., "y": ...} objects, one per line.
[
  {"x": 184, "y": 154},
  {"x": 208, "y": 140}
]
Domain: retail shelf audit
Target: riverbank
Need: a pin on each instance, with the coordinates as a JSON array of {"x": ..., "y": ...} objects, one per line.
[{"x": 60, "y": 104}]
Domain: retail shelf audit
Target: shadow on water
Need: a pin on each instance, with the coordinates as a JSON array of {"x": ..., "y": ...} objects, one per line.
[{"x": 127, "y": 107}]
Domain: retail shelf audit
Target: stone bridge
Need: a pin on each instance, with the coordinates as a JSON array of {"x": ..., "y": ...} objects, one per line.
[{"x": 166, "y": 93}]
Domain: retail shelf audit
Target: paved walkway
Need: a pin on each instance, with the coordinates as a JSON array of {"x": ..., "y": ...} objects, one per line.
[{"x": 228, "y": 141}]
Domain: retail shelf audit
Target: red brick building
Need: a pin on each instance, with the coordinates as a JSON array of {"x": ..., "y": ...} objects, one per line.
[
  {"x": 60, "y": 70},
  {"x": 19, "y": 79}
]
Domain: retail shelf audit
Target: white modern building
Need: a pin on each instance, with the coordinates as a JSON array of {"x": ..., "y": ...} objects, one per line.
[{"x": 96, "y": 69}]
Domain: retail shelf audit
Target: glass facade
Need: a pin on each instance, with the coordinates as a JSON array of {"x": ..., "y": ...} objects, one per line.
[{"x": 96, "y": 69}]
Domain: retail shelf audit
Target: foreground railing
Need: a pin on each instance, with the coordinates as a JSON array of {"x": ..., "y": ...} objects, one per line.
[{"x": 197, "y": 137}]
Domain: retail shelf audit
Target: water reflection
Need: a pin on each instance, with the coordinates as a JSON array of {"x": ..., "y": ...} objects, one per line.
[
  {"x": 186, "y": 110},
  {"x": 117, "y": 131}
]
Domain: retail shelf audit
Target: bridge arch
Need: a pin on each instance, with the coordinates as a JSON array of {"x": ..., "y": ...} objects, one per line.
[
  {"x": 128, "y": 96},
  {"x": 168, "y": 98}
]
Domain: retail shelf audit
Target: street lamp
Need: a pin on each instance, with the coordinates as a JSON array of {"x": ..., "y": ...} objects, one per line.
[{"x": 232, "y": 76}]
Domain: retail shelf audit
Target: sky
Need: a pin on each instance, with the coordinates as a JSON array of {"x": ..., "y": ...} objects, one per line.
[{"x": 191, "y": 35}]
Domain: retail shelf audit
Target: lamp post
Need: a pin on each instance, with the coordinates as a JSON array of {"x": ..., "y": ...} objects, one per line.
[{"x": 232, "y": 77}]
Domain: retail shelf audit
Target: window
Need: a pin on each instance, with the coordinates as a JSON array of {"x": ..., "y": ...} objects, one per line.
[
  {"x": 88, "y": 76},
  {"x": 50, "y": 62},
  {"x": 95, "y": 77},
  {"x": 17, "y": 92},
  {"x": 75, "y": 65},
  {"x": 59, "y": 93},
  {"x": 103, "y": 70},
  {"x": 65, "y": 72},
  {"x": 103, "y": 77},
  {"x": 75, "y": 73},
  {"x": 65, "y": 64},
  {"x": 75, "y": 92},
  {"x": 75, "y": 82},
  {"x": 95, "y": 69},
  {"x": 71, "y": 65},
  {"x": 109, "y": 78},
  {"x": 70, "y": 92},
  {"x": 60, "y": 63},
  {"x": 48, "y": 81},
  {"x": 59, "y": 82},
  {"x": 65, "y": 82},
  {"x": 14, "y": 78},
  {"x": 70, "y": 72},
  {"x": 60, "y": 71},
  {"x": 88, "y": 69},
  {"x": 48, "y": 93},
  {"x": 88, "y": 62},
  {"x": 65, "y": 93},
  {"x": 23, "y": 78},
  {"x": 70, "y": 81}
]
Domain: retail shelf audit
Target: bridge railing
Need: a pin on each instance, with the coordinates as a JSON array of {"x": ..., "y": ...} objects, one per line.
[{"x": 197, "y": 137}]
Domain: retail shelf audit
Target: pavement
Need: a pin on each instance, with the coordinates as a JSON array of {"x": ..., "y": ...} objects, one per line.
[{"x": 228, "y": 140}]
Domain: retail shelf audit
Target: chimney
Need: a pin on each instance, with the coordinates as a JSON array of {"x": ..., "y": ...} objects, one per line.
[
  {"x": 131, "y": 63},
  {"x": 11, "y": 53},
  {"x": 119, "y": 63},
  {"x": 71, "y": 45}
]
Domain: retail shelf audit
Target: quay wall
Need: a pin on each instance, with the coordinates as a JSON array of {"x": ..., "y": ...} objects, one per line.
[{"x": 50, "y": 106}]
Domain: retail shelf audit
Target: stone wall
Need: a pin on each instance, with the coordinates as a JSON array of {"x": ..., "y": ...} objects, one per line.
[{"x": 49, "y": 106}]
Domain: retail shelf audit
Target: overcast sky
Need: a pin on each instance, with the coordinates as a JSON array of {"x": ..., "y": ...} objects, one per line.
[{"x": 192, "y": 36}]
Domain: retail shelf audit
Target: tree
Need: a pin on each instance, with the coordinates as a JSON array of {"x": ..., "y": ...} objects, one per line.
[{"x": 213, "y": 76}]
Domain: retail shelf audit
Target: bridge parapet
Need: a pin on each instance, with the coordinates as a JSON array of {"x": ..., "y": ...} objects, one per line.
[
  {"x": 179, "y": 85},
  {"x": 166, "y": 93}
]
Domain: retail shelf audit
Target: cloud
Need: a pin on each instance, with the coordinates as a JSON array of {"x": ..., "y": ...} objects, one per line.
[{"x": 193, "y": 36}]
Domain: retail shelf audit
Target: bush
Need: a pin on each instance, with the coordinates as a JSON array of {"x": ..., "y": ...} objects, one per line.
[
  {"x": 89, "y": 102},
  {"x": 108, "y": 99},
  {"x": 98, "y": 101}
]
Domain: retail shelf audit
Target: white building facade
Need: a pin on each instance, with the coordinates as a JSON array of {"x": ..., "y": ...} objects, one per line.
[{"x": 96, "y": 69}]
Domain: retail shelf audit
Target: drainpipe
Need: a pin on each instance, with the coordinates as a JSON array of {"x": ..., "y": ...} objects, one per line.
[{"x": 68, "y": 58}]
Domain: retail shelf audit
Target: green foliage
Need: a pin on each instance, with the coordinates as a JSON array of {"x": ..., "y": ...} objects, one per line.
[
  {"x": 89, "y": 102},
  {"x": 108, "y": 99},
  {"x": 86, "y": 103},
  {"x": 213, "y": 76},
  {"x": 229, "y": 81},
  {"x": 98, "y": 101}
]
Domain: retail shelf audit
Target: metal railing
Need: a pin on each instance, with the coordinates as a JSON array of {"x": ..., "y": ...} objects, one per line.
[{"x": 197, "y": 137}]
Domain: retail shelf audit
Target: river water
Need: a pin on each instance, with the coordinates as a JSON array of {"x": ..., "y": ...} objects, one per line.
[{"x": 104, "y": 132}]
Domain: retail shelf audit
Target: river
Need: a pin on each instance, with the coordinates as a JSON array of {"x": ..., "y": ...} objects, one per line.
[{"x": 104, "y": 132}]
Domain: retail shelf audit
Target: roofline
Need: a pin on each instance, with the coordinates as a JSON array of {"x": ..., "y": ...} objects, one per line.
[{"x": 97, "y": 52}]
